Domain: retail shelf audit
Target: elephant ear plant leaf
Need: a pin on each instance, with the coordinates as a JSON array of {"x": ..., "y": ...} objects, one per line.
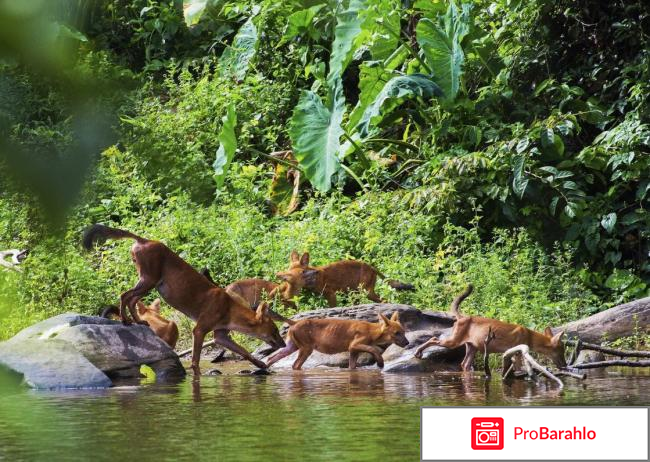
[
  {"x": 227, "y": 146},
  {"x": 315, "y": 128},
  {"x": 193, "y": 10},
  {"x": 396, "y": 91},
  {"x": 441, "y": 45},
  {"x": 235, "y": 60}
]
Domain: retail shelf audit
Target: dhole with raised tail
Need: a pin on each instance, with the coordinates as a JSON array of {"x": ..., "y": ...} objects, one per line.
[
  {"x": 472, "y": 331},
  {"x": 327, "y": 280},
  {"x": 331, "y": 336},
  {"x": 164, "y": 328},
  {"x": 183, "y": 288}
]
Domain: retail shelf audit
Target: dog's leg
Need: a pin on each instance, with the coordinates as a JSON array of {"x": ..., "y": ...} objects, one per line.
[
  {"x": 199, "y": 332},
  {"x": 432, "y": 341},
  {"x": 131, "y": 297},
  {"x": 376, "y": 352},
  {"x": 372, "y": 295},
  {"x": 331, "y": 298},
  {"x": 354, "y": 355},
  {"x": 221, "y": 337},
  {"x": 470, "y": 352},
  {"x": 302, "y": 357},
  {"x": 283, "y": 353}
]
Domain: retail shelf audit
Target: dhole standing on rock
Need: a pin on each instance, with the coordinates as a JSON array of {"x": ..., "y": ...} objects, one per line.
[
  {"x": 183, "y": 288},
  {"x": 472, "y": 331},
  {"x": 327, "y": 280},
  {"x": 331, "y": 336}
]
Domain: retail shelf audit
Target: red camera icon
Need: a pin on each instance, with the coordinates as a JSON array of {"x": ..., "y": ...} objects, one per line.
[{"x": 487, "y": 433}]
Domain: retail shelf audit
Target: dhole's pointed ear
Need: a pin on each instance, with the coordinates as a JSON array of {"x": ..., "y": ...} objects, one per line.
[
  {"x": 548, "y": 331},
  {"x": 304, "y": 260},
  {"x": 294, "y": 256},
  {"x": 557, "y": 337},
  {"x": 262, "y": 310},
  {"x": 155, "y": 305},
  {"x": 383, "y": 319},
  {"x": 395, "y": 317}
]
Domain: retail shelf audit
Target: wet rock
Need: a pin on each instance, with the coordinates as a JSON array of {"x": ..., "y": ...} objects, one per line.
[
  {"x": 589, "y": 356},
  {"x": 57, "y": 352},
  {"x": 214, "y": 372}
]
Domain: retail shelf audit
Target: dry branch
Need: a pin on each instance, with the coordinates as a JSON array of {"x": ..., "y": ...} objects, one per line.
[
  {"x": 189, "y": 350},
  {"x": 609, "y": 351},
  {"x": 529, "y": 363},
  {"x": 16, "y": 257},
  {"x": 613, "y": 362},
  {"x": 565, "y": 373}
]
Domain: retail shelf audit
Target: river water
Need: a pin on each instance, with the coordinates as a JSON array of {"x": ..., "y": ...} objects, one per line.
[{"x": 304, "y": 415}]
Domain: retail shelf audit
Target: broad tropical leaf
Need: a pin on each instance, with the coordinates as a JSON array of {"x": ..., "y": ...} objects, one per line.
[
  {"x": 519, "y": 180},
  {"x": 236, "y": 58},
  {"x": 348, "y": 26},
  {"x": 394, "y": 93},
  {"x": 441, "y": 45},
  {"x": 300, "y": 22},
  {"x": 315, "y": 132},
  {"x": 192, "y": 10},
  {"x": 284, "y": 192},
  {"x": 227, "y": 146},
  {"x": 372, "y": 79}
]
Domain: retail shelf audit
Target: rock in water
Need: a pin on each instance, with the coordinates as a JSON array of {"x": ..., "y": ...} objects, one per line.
[{"x": 75, "y": 351}]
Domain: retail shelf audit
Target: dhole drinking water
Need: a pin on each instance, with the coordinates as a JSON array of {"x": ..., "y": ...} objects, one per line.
[
  {"x": 327, "y": 280},
  {"x": 183, "y": 288},
  {"x": 331, "y": 336},
  {"x": 472, "y": 331}
]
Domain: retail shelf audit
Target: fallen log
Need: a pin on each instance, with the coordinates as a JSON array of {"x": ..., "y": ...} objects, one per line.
[
  {"x": 613, "y": 362},
  {"x": 613, "y": 323},
  {"x": 189, "y": 350},
  {"x": 608, "y": 351},
  {"x": 564, "y": 373},
  {"x": 16, "y": 257},
  {"x": 529, "y": 363}
]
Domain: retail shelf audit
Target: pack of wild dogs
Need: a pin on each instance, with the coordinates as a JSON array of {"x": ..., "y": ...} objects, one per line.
[{"x": 241, "y": 307}]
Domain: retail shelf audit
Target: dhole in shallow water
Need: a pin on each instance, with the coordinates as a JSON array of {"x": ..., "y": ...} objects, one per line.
[
  {"x": 191, "y": 293},
  {"x": 472, "y": 331},
  {"x": 327, "y": 280},
  {"x": 331, "y": 336}
]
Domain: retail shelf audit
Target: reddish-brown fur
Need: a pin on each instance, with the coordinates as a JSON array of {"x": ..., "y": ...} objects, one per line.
[
  {"x": 164, "y": 328},
  {"x": 331, "y": 336},
  {"x": 472, "y": 331},
  {"x": 327, "y": 280},
  {"x": 182, "y": 287}
]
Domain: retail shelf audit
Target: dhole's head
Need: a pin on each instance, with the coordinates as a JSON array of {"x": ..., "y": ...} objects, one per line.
[
  {"x": 148, "y": 312},
  {"x": 265, "y": 329},
  {"x": 555, "y": 347},
  {"x": 299, "y": 274},
  {"x": 392, "y": 330}
]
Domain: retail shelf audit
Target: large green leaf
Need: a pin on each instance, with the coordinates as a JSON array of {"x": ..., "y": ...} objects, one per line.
[
  {"x": 395, "y": 92},
  {"x": 193, "y": 10},
  {"x": 227, "y": 146},
  {"x": 348, "y": 26},
  {"x": 372, "y": 78},
  {"x": 236, "y": 58},
  {"x": 441, "y": 44},
  {"x": 315, "y": 132},
  {"x": 300, "y": 22}
]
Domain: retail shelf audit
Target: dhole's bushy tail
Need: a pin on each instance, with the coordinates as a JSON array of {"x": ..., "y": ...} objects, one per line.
[
  {"x": 459, "y": 299},
  {"x": 110, "y": 311},
  {"x": 99, "y": 232}
]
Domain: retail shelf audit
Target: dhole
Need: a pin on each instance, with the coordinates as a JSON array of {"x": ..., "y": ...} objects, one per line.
[
  {"x": 472, "y": 331},
  {"x": 332, "y": 336},
  {"x": 182, "y": 287},
  {"x": 253, "y": 291},
  {"x": 327, "y": 280},
  {"x": 164, "y": 328}
]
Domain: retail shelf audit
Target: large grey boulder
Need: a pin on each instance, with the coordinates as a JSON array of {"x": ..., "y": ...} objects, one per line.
[
  {"x": 420, "y": 326},
  {"x": 620, "y": 321},
  {"x": 76, "y": 351}
]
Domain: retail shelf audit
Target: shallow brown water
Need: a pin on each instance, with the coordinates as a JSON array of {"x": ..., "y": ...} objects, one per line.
[{"x": 308, "y": 415}]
